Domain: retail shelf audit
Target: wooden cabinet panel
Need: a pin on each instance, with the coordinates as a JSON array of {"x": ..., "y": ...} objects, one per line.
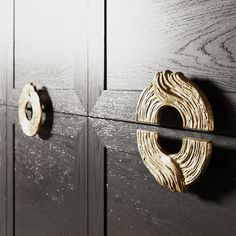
[
  {"x": 47, "y": 179},
  {"x": 47, "y": 182},
  {"x": 121, "y": 105},
  {"x": 100, "y": 55},
  {"x": 197, "y": 38},
  {"x": 125, "y": 199},
  {"x": 47, "y": 46},
  {"x": 143, "y": 37},
  {"x": 3, "y": 50},
  {"x": 136, "y": 205},
  {"x": 3, "y": 171},
  {"x": 85, "y": 176}
]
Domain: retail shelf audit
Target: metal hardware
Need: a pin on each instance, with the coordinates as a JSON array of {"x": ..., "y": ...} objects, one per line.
[
  {"x": 29, "y": 110},
  {"x": 176, "y": 171}
]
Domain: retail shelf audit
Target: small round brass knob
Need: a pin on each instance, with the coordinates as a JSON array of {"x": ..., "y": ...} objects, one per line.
[{"x": 29, "y": 110}]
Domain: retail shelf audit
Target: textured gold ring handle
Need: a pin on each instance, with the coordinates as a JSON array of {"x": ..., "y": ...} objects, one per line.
[
  {"x": 176, "y": 171},
  {"x": 29, "y": 98}
]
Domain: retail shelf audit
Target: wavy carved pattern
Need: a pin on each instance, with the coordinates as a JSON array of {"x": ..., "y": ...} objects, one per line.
[
  {"x": 175, "y": 171},
  {"x": 174, "y": 89}
]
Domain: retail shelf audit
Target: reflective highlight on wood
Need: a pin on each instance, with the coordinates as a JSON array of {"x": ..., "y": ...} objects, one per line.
[
  {"x": 176, "y": 171},
  {"x": 29, "y": 99}
]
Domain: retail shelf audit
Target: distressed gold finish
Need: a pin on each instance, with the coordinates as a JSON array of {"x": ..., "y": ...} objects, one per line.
[
  {"x": 29, "y": 98},
  {"x": 176, "y": 171}
]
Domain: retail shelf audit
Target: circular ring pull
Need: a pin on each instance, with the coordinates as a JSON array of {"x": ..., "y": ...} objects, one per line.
[
  {"x": 179, "y": 170},
  {"x": 29, "y": 110}
]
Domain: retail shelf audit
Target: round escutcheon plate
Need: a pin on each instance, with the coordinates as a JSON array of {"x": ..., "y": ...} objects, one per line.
[{"x": 29, "y": 110}]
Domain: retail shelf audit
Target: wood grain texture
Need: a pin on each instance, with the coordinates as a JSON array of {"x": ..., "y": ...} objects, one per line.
[
  {"x": 197, "y": 38},
  {"x": 96, "y": 184},
  {"x": 48, "y": 47},
  {"x": 47, "y": 178},
  {"x": 3, "y": 159},
  {"x": 144, "y": 37},
  {"x": 137, "y": 205},
  {"x": 96, "y": 50},
  {"x": 3, "y": 59}
]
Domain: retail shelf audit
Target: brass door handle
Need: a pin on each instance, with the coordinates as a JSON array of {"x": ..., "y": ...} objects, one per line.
[
  {"x": 29, "y": 102},
  {"x": 176, "y": 171}
]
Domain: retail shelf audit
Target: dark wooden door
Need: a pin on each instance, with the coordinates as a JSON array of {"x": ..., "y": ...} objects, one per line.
[
  {"x": 46, "y": 178},
  {"x": 46, "y": 44},
  {"x": 43, "y": 178},
  {"x": 85, "y": 175},
  {"x": 144, "y": 37},
  {"x": 134, "y": 40},
  {"x": 125, "y": 199}
]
